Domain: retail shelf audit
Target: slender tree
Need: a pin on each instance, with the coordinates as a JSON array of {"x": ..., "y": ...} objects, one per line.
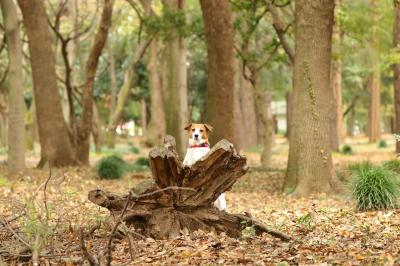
[
  {"x": 374, "y": 127},
  {"x": 175, "y": 84},
  {"x": 396, "y": 70},
  {"x": 337, "y": 132},
  {"x": 54, "y": 136},
  {"x": 85, "y": 127},
  {"x": 219, "y": 36},
  {"x": 156, "y": 128},
  {"x": 16, "y": 125},
  {"x": 310, "y": 167}
]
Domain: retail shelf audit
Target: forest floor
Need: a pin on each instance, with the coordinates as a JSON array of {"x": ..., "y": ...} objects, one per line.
[{"x": 325, "y": 229}]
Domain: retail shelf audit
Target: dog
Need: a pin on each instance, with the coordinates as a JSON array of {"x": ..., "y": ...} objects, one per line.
[{"x": 199, "y": 146}]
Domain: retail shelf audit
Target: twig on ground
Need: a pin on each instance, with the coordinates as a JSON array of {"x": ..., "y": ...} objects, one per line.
[
  {"x": 109, "y": 249},
  {"x": 93, "y": 261}
]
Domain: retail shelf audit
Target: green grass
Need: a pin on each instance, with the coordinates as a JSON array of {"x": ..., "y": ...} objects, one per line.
[
  {"x": 3, "y": 182},
  {"x": 393, "y": 165},
  {"x": 374, "y": 187}
]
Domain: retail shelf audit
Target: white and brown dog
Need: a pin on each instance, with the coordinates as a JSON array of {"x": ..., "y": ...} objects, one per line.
[{"x": 198, "y": 148}]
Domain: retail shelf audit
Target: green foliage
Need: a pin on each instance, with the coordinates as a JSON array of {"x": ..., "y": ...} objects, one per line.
[
  {"x": 382, "y": 144},
  {"x": 134, "y": 150},
  {"x": 360, "y": 166},
  {"x": 374, "y": 188},
  {"x": 3, "y": 182},
  {"x": 393, "y": 165},
  {"x": 347, "y": 149},
  {"x": 111, "y": 167},
  {"x": 141, "y": 164},
  {"x": 306, "y": 221}
]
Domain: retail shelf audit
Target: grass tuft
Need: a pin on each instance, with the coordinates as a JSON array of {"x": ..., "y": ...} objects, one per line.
[{"x": 374, "y": 187}]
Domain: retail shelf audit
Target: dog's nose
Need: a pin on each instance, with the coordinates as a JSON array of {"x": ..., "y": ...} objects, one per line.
[{"x": 196, "y": 136}]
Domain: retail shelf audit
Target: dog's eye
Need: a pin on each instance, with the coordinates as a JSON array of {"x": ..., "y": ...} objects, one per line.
[
  {"x": 201, "y": 130},
  {"x": 193, "y": 130}
]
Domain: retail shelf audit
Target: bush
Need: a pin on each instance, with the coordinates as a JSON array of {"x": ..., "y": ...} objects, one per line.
[
  {"x": 347, "y": 149},
  {"x": 111, "y": 167},
  {"x": 374, "y": 188},
  {"x": 141, "y": 164},
  {"x": 134, "y": 150},
  {"x": 382, "y": 144}
]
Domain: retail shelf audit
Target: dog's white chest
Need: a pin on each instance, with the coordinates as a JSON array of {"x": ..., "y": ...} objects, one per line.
[{"x": 195, "y": 154}]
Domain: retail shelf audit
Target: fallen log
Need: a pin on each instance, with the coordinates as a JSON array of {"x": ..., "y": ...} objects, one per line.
[{"x": 182, "y": 197}]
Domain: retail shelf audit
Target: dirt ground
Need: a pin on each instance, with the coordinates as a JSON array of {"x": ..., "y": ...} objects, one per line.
[{"x": 325, "y": 229}]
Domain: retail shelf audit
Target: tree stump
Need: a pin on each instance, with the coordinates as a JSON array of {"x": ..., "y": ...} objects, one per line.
[{"x": 182, "y": 197}]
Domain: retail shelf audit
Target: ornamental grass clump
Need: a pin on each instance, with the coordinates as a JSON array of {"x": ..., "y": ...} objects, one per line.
[{"x": 374, "y": 188}]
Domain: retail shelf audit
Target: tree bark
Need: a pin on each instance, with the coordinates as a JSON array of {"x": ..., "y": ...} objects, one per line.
[
  {"x": 337, "y": 132},
  {"x": 310, "y": 168},
  {"x": 219, "y": 37},
  {"x": 156, "y": 128},
  {"x": 55, "y": 140},
  {"x": 396, "y": 71},
  {"x": 374, "y": 127},
  {"x": 16, "y": 123},
  {"x": 176, "y": 105},
  {"x": 85, "y": 127},
  {"x": 143, "y": 120}
]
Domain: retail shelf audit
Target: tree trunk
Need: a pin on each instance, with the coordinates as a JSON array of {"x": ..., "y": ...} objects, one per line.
[
  {"x": 85, "y": 127},
  {"x": 263, "y": 103},
  {"x": 176, "y": 105},
  {"x": 337, "y": 132},
  {"x": 219, "y": 37},
  {"x": 55, "y": 140},
  {"x": 96, "y": 129},
  {"x": 123, "y": 94},
  {"x": 16, "y": 123},
  {"x": 182, "y": 198},
  {"x": 143, "y": 119},
  {"x": 249, "y": 117},
  {"x": 289, "y": 101},
  {"x": 310, "y": 168},
  {"x": 156, "y": 127},
  {"x": 396, "y": 71},
  {"x": 374, "y": 127},
  {"x": 113, "y": 78}
]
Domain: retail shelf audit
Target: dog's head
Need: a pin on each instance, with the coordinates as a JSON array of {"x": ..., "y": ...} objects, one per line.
[{"x": 198, "y": 133}]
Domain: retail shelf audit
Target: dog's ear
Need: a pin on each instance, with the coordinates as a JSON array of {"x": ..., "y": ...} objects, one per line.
[
  {"x": 208, "y": 127},
  {"x": 188, "y": 126}
]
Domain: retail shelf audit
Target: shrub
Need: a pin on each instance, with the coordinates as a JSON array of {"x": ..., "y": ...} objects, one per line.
[
  {"x": 134, "y": 150},
  {"x": 141, "y": 164},
  {"x": 374, "y": 188},
  {"x": 111, "y": 167},
  {"x": 347, "y": 149},
  {"x": 382, "y": 144}
]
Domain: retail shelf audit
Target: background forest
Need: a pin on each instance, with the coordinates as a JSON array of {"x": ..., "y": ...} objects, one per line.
[{"x": 308, "y": 91}]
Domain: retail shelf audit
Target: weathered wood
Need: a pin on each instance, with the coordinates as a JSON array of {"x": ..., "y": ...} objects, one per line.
[{"x": 183, "y": 196}]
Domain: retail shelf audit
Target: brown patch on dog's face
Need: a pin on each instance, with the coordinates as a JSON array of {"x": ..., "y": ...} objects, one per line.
[{"x": 198, "y": 131}]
